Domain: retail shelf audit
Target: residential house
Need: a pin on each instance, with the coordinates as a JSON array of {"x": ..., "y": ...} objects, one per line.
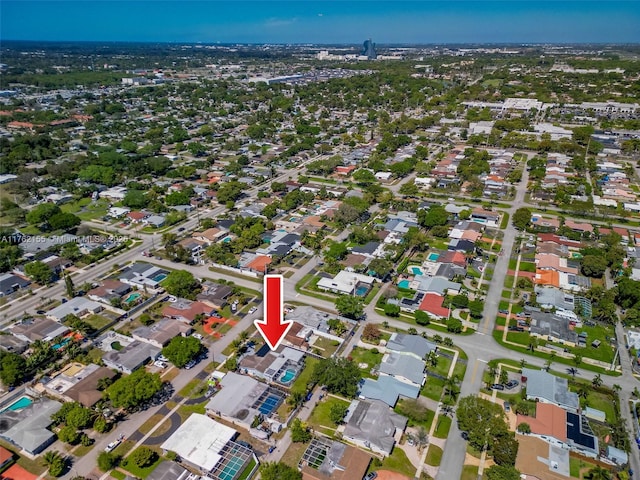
[
  {"x": 210, "y": 235},
  {"x": 142, "y": 275},
  {"x": 78, "y": 306},
  {"x": 326, "y": 459},
  {"x": 161, "y": 333},
  {"x": 565, "y": 429},
  {"x": 187, "y": 310},
  {"x": 31, "y": 329},
  {"x": 214, "y": 294},
  {"x": 13, "y": 344},
  {"x": 347, "y": 283},
  {"x": 110, "y": 290},
  {"x": 131, "y": 357},
  {"x": 371, "y": 424},
  {"x": 28, "y": 428},
  {"x": 547, "y": 388},
  {"x": 553, "y": 328},
  {"x": 272, "y": 365},
  {"x": 10, "y": 283}
]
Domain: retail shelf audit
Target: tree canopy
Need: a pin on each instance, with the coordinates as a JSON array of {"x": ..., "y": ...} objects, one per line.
[
  {"x": 182, "y": 284},
  {"x": 481, "y": 419},
  {"x": 521, "y": 218},
  {"x": 181, "y": 350},
  {"x": 133, "y": 390},
  {"x": 340, "y": 375},
  {"x": 349, "y": 306},
  {"x": 279, "y": 471}
]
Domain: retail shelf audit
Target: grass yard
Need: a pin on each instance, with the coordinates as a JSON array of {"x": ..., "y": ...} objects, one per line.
[
  {"x": 321, "y": 415},
  {"x": 434, "y": 456},
  {"x": 146, "y": 471},
  {"x": 300, "y": 383},
  {"x": 372, "y": 357},
  {"x": 602, "y": 401},
  {"x": 398, "y": 462},
  {"x": 442, "y": 427},
  {"x": 247, "y": 470},
  {"x": 469, "y": 472},
  {"x": 433, "y": 388},
  {"x": 98, "y": 321},
  {"x": 326, "y": 346},
  {"x": 293, "y": 454},
  {"x": 527, "y": 267}
]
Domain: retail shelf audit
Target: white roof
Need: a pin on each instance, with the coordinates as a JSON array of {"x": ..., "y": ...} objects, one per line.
[
  {"x": 345, "y": 281},
  {"x": 200, "y": 440}
]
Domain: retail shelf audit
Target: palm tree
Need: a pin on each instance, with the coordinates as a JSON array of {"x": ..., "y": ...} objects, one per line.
[
  {"x": 597, "y": 381},
  {"x": 583, "y": 392},
  {"x": 421, "y": 438},
  {"x": 599, "y": 473},
  {"x": 616, "y": 388},
  {"x": 296, "y": 398},
  {"x": 451, "y": 387},
  {"x": 243, "y": 336},
  {"x": 51, "y": 457},
  {"x": 432, "y": 358},
  {"x": 523, "y": 363},
  {"x": 572, "y": 371}
]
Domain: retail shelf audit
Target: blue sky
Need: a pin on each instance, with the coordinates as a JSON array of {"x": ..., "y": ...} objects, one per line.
[{"x": 269, "y": 21}]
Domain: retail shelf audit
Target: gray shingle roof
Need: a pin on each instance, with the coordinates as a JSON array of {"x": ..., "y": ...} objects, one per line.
[
  {"x": 415, "y": 344},
  {"x": 549, "y": 388}
]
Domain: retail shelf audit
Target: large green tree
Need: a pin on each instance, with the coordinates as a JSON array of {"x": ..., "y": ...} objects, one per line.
[
  {"x": 340, "y": 375},
  {"x": 182, "y": 284},
  {"x": 521, "y": 218},
  {"x": 349, "y": 306},
  {"x": 42, "y": 213},
  {"x": 133, "y": 390},
  {"x": 481, "y": 419},
  {"x": 12, "y": 368},
  {"x": 181, "y": 350},
  {"x": 502, "y": 472},
  {"x": 39, "y": 272},
  {"x": 279, "y": 471}
]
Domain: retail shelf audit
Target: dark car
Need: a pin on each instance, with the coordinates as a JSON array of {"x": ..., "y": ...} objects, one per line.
[
  {"x": 512, "y": 384},
  {"x": 371, "y": 476},
  {"x": 181, "y": 229},
  {"x": 308, "y": 397},
  {"x": 40, "y": 312},
  {"x": 497, "y": 386}
]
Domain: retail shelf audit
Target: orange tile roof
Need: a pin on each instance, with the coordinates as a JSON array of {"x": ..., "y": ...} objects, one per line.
[
  {"x": 549, "y": 420},
  {"x": 259, "y": 263},
  {"x": 432, "y": 303},
  {"x": 4, "y": 455},
  {"x": 547, "y": 277},
  {"x": 16, "y": 472}
]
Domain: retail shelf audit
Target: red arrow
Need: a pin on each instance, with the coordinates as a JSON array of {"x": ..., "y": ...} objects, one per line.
[{"x": 273, "y": 328}]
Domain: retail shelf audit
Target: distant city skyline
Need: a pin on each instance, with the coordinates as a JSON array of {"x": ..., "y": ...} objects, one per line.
[{"x": 324, "y": 22}]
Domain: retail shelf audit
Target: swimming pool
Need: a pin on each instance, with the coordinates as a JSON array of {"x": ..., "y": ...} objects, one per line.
[
  {"x": 362, "y": 290},
  {"x": 433, "y": 256},
  {"x": 160, "y": 277},
  {"x": 269, "y": 404},
  {"x": 416, "y": 270},
  {"x": 22, "y": 402},
  {"x": 132, "y": 297},
  {"x": 404, "y": 283},
  {"x": 58, "y": 346},
  {"x": 231, "y": 469},
  {"x": 288, "y": 376}
]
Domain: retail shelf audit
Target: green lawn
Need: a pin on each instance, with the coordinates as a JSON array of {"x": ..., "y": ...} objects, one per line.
[
  {"x": 320, "y": 417},
  {"x": 369, "y": 356},
  {"x": 434, "y": 455},
  {"x": 143, "y": 472},
  {"x": 398, "y": 462},
  {"x": 602, "y": 401},
  {"x": 469, "y": 472},
  {"x": 247, "y": 470},
  {"x": 300, "y": 383},
  {"x": 527, "y": 267},
  {"x": 442, "y": 366},
  {"x": 326, "y": 346},
  {"x": 98, "y": 321},
  {"x": 433, "y": 388},
  {"x": 442, "y": 427}
]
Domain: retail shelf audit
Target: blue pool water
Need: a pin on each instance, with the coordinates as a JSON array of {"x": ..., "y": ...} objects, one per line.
[
  {"x": 226, "y": 240},
  {"x": 22, "y": 402},
  {"x": 288, "y": 376},
  {"x": 58, "y": 346},
  {"x": 269, "y": 405},
  {"x": 231, "y": 469},
  {"x": 132, "y": 298},
  {"x": 416, "y": 270},
  {"x": 362, "y": 291},
  {"x": 158, "y": 278},
  {"x": 403, "y": 283},
  {"x": 433, "y": 256}
]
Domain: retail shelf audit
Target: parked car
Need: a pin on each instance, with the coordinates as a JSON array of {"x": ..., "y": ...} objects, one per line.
[
  {"x": 507, "y": 407},
  {"x": 253, "y": 310},
  {"x": 198, "y": 336},
  {"x": 41, "y": 312},
  {"x": 160, "y": 364},
  {"x": 497, "y": 386},
  {"x": 162, "y": 358},
  {"x": 190, "y": 365},
  {"x": 511, "y": 384},
  {"x": 112, "y": 446},
  {"x": 371, "y": 476},
  {"x": 308, "y": 397}
]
